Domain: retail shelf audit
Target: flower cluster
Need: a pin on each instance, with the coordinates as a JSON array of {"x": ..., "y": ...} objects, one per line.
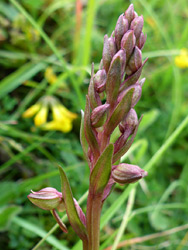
[
  {"x": 113, "y": 92},
  {"x": 62, "y": 117},
  {"x": 118, "y": 81}
]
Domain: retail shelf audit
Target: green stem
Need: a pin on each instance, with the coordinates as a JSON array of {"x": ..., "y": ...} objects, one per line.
[
  {"x": 94, "y": 207},
  {"x": 85, "y": 245}
]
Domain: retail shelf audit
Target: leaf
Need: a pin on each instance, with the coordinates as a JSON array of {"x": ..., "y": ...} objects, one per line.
[
  {"x": 82, "y": 137},
  {"x": 132, "y": 79},
  {"x": 127, "y": 145},
  {"x": 120, "y": 111},
  {"x": 91, "y": 90},
  {"x": 113, "y": 81},
  {"x": 89, "y": 134},
  {"x": 72, "y": 214},
  {"x": 35, "y": 229},
  {"x": 6, "y": 215},
  {"x": 15, "y": 79},
  {"x": 101, "y": 172}
]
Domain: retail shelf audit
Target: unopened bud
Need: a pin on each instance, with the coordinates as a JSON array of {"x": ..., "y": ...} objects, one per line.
[
  {"x": 109, "y": 51},
  {"x": 47, "y": 198},
  {"x": 130, "y": 121},
  {"x": 122, "y": 55},
  {"x": 128, "y": 42},
  {"x": 129, "y": 13},
  {"x": 100, "y": 80},
  {"x": 127, "y": 173},
  {"x": 112, "y": 46},
  {"x": 137, "y": 25},
  {"x": 120, "y": 29},
  {"x": 137, "y": 94},
  {"x": 135, "y": 61},
  {"x": 99, "y": 115},
  {"x": 141, "y": 41}
]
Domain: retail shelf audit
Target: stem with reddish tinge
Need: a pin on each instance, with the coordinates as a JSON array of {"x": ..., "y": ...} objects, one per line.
[
  {"x": 59, "y": 221},
  {"x": 94, "y": 206}
]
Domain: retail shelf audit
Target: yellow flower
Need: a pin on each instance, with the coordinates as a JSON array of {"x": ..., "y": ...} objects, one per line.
[
  {"x": 59, "y": 112},
  {"x": 181, "y": 61},
  {"x": 31, "y": 111},
  {"x": 62, "y": 117},
  {"x": 41, "y": 116},
  {"x": 64, "y": 125},
  {"x": 50, "y": 76}
]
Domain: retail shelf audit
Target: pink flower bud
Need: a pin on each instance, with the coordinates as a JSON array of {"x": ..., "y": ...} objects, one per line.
[
  {"x": 109, "y": 51},
  {"x": 141, "y": 41},
  {"x": 122, "y": 55},
  {"x": 129, "y": 13},
  {"x": 137, "y": 94},
  {"x": 100, "y": 80},
  {"x": 128, "y": 42},
  {"x": 47, "y": 198},
  {"x": 112, "y": 46},
  {"x": 130, "y": 121},
  {"x": 127, "y": 173},
  {"x": 135, "y": 61},
  {"x": 137, "y": 25},
  {"x": 120, "y": 29},
  {"x": 99, "y": 115}
]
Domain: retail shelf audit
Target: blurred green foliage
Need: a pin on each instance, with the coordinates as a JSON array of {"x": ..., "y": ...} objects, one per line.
[{"x": 37, "y": 34}]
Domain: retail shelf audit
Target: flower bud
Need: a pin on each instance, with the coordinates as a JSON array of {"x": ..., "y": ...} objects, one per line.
[
  {"x": 128, "y": 42},
  {"x": 112, "y": 46},
  {"x": 109, "y": 51},
  {"x": 137, "y": 94},
  {"x": 130, "y": 121},
  {"x": 129, "y": 13},
  {"x": 141, "y": 41},
  {"x": 120, "y": 29},
  {"x": 99, "y": 115},
  {"x": 135, "y": 61},
  {"x": 127, "y": 173},
  {"x": 47, "y": 198},
  {"x": 122, "y": 55},
  {"x": 137, "y": 25},
  {"x": 100, "y": 80}
]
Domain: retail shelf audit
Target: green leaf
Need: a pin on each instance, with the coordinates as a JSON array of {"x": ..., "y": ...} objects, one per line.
[
  {"x": 101, "y": 172},
  {"x": 35, "y": 229},
  {"x": 113, "y": 81},
  {"x": 72, "y": 214},
  {"x": 120, "y": 111},
  {"x": 89, "y": 134},
  {"x": 91, "y": 90},
  {"x": 127, "y": 145},
  {"x": 82, "y": 136},
  {"x": 132, "y": 79},
  {"x": 6, "y": 215},
  {"x": 14, "y": 80}
]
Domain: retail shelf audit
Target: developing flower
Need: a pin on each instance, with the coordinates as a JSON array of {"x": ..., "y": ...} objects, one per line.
[
  {"x": 47, "y": 198},
  {"x": 181, "y": 61},
  {"x": 127, "y": 173}
]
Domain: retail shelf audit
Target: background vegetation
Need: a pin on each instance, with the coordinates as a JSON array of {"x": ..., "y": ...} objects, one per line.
[{"x": 38, "y": 34}]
